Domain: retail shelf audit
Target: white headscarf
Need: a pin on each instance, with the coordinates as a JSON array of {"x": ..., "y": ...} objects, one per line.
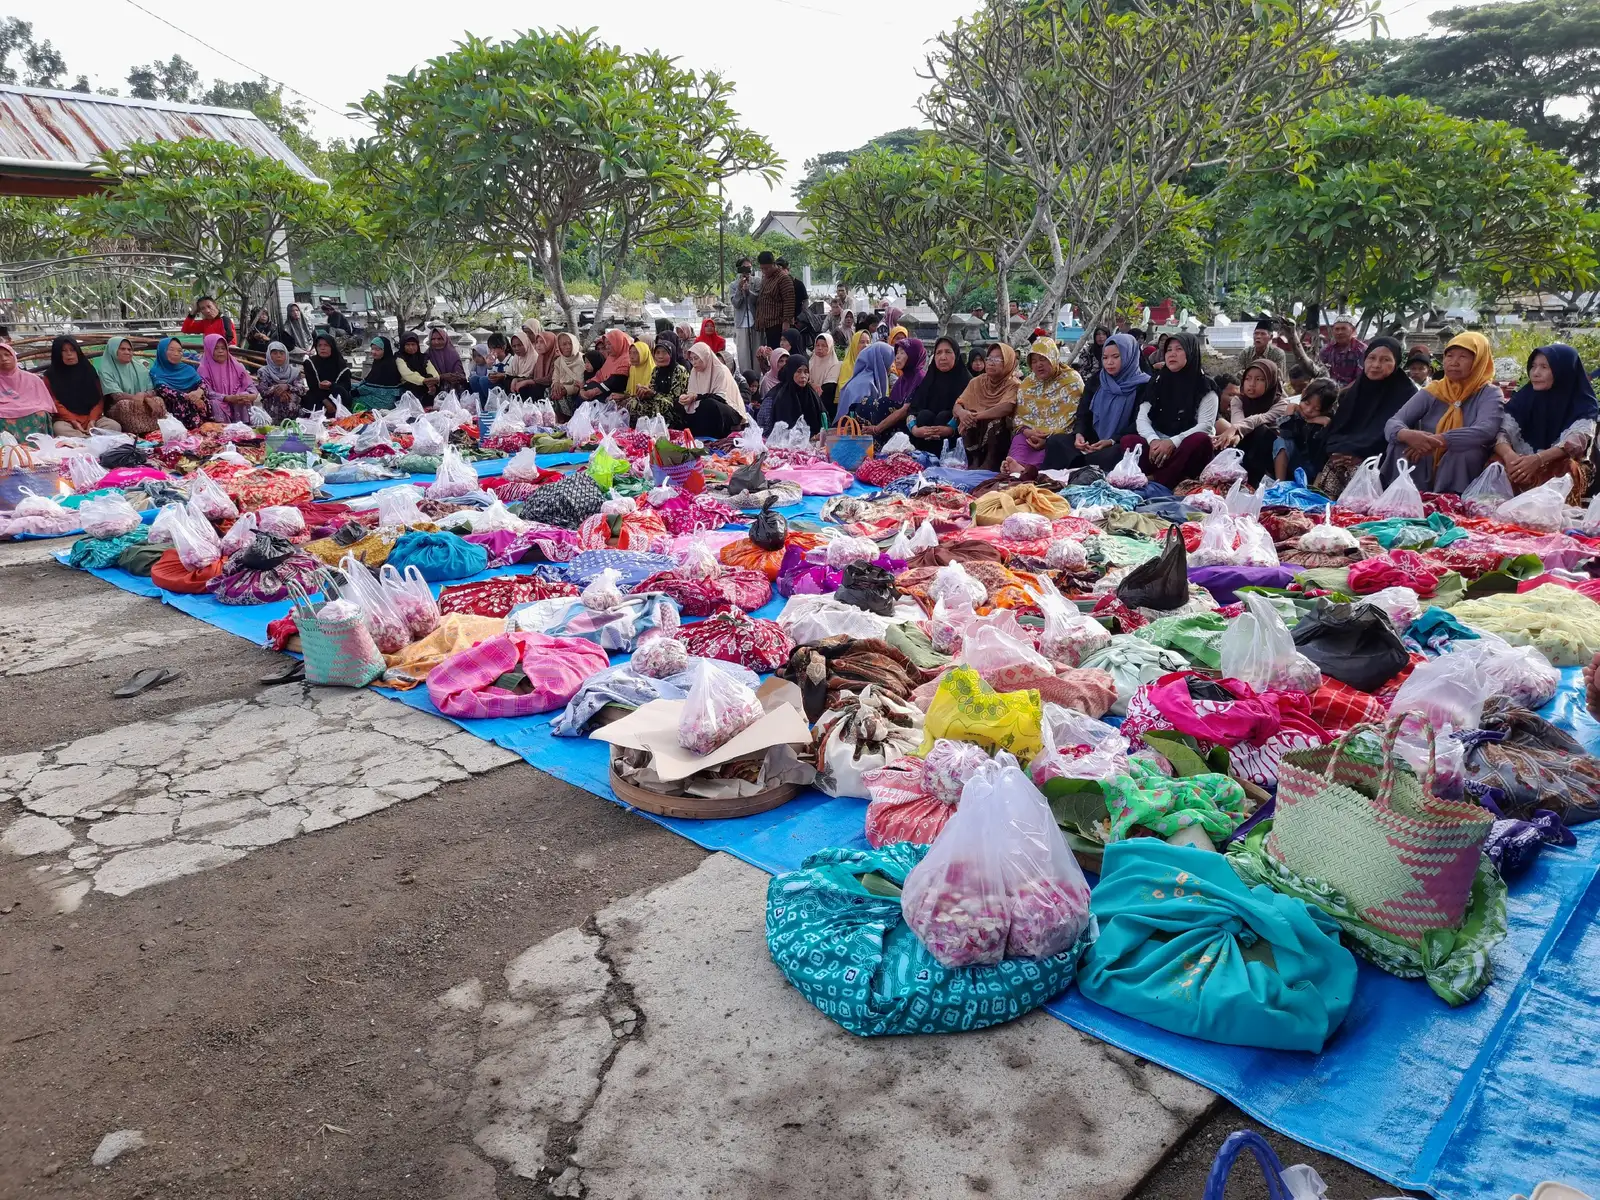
[
  {"x": 709, "y": 377},
  {"x": 824, "y": 368}
]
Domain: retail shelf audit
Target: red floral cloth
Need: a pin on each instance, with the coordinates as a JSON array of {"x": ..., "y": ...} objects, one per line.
[
  {"x": 876, "y": 472},
  {"x": 1398, "y": 568},
  {"x": 695, "y": 597},
  {"x": 497, "y": 597},
  {"x": 1337, "y": 706},
  {"x": 901, "y": 810},
  {"x": 752, "y": 642}
]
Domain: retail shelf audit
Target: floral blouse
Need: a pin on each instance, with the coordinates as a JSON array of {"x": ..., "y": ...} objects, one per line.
[
  {"x": 1052, "y": 406},
  {"x": 665, "y": 399}
]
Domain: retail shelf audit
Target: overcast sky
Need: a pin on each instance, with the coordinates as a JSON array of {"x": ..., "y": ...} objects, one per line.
[{"x": 812, "y": 75}]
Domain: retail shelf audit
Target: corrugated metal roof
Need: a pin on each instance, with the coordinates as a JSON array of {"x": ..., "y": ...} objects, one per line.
[{"x": 68, "y": 131}]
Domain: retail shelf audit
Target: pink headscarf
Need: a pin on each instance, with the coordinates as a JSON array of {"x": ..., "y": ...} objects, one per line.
[
  {"x": 22, "y": 393},
  {"x": 227, "y": 378}
]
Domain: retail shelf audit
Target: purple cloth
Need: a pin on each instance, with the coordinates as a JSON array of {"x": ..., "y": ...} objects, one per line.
[
  {"x": 1023, "y": 453},
  {"x": 1224, "y": 582}
]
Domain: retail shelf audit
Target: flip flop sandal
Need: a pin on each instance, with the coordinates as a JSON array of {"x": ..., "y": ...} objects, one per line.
[
  {"x": 143, "y": 681},
  {"x": 293, "y": 673}
]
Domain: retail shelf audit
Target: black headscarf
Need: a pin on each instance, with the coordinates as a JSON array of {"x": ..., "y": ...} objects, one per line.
[
  {"x": 939, "y": 390},
  {"x": 1544, "y": 416},
  {"x": 792, "y": 403},
  {"x": 1174, "y": 397},
  {"x": 670, "y": 340},
  {"x": 383, "y": 372},
  {"x": 419, "y": 361},
  {"x": 76, "y": 388},
  {"x": 593, "y": 360},
  {"x": 1366, "y": 405},
  {"x": 980, "y": 356},
  {"x": 796, "y": 340}
]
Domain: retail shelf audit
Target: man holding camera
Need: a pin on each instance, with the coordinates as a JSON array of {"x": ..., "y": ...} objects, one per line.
[{"x": 743, "y": 294}]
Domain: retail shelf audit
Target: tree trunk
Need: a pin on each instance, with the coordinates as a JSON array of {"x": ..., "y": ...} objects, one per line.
[{"x": 1002, "y": 304}]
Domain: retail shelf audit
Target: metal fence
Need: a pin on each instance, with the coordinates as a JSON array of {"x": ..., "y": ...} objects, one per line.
[{"x": 124, "y": 290}]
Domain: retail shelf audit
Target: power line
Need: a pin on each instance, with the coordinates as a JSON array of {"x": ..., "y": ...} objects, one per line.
[{"x": 224, "y": 54}]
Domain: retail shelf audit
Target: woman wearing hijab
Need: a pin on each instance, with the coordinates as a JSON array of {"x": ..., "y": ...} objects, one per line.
[
  {"x": 977, "y": 361},
  {"x": 26, "y": 405},
  {"x": 1356, "y": 431},
  {"x": 868, "y": 388},
  {"x": 328, "y": 377},
  {"x": 886, "y": 327},
  {"x": 611, "y": 376},
  {"x": 824, "y": 373},
  {"x": 80, "y": 404},
  {"x": 1448, "y": 429},
  {"x": 178, "y": 386},
  {"x": 1089, "y": 356},
  {"x": 282, "y": 387},
  {"x": 884, "y": 418},
  {"x": 566, "y": 375},
  {"x": 258, "y": 332},
  {"x": 669, "y": 379},
  {"x": 1255, "y": 410},
  {"x": 792, "y": 401},
  {"x": 793, "y": 341},
  {"x": 418, "y": 375},
  {"x": 1047, "y": 404},
  {"x": 1548, "y": 426},
  {"x": 1107, "y": 414},
  {"x": 641, "y": 370},
  {"x": 710, "y": 336},
  {"x": 131, "y": 400},
  {"x": 984, "y": 411},
  {"x": 898, "y": 334},
  {"x": 1177, "y": 416},
  {"x": 522, "y": 365},
  {"x": 853, "y": 349},
  {"x": 229, "y": 389},
  {"x": 295, "y": 332},
  {"x": 775, "y": 357},
  {"x": 446, "y": 360},
  {"x": 933, "y": 404},
  {"x": 709, "y": 407}
]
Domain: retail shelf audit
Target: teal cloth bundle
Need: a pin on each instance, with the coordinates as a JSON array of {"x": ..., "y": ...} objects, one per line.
[
  {"x": 845, "y": 945},
  {"x": 1189, "y": 948},
  {"x": 94, "y": 553},
  {"x": 439, "y": 556}
]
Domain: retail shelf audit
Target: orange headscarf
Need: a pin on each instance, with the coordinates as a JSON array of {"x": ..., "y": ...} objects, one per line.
[
  {"x": 1454, "y": 395},
  {"x": 619, "y": 355}
]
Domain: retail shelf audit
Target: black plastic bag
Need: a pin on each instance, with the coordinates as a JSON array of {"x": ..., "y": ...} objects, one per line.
[
  {"x": 123, "y": 456},
  {"x": 867, "y": 586},
  {"x": 749, "y": 478},
  {"x": 265, "y": 551},
  {"x": 770, "y": 530},
  {"x": 350, "y": 533},
  {"x": 1353, "y": 643},
  {"x": 1163, "y": 582}
]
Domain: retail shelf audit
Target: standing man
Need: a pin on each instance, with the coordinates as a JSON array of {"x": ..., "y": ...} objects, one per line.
[
  {"x": 1344, "y": 355},
  {"x": 775, "y": 304},
  {"x": 207, "y": 318},
  {"x": 1261, "y": 347},
  {"x": 743, "y": 293},
  {"x": 802, "y": 318}
]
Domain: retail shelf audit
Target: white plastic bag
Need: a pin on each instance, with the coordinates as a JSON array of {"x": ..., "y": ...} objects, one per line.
[
  {"x": 339, "y": 411},
  {"x": 1025, "y": 526},
  {"x": 427, "y": 440},
  {"x": 1069, "y": 635},
  {"x": 843, "y": 551},
  {"x": 1364, "y": 488},
  {"x": 171, "y": 430},
  {"x": 281, "y": 520},
  {"x": 523, "y": 467},
  {"x": 653, "y": 427},
  {"x": 1401, "y": 498},
  {"x": 387, "y": 626},
  {"x": 1542, "y": 509},
  {"x": 699, "y": 561},
  {"x": 1258, "y": 649},
  {"x": 161, "y": 527},
  {"x": 1486, "y": 493},
  {"x": 1064, "y": 554},
  {"x": 954, "y": 455},
  {"x": 660, "y": 657},
  {"x": 618, "y": 506},
  {"x": 602, "y": 593},
  {"x": 85, "y": 472},
  {"x": 508, "y": 419},
  {"x": 1242, "y": 502},
  {"x": 108, "y": 516},
  {"x": 901, "y": 550},
  {"x": 196, "y": 542},
  {"x": 750, "y": 440},
  {"x": 312, "y": 429},
  {"x": 1077, "y": 746},
  {"x": 1400, "y": 604},
  {"x": 986, "y": 648},
  {"x": 1520, "y": 673},
  {"x": 1216, "y": 548},
  {"x": 234, "y": 430},
  {"x": 455, "y": 476},
  {"x": 208, "y": 499},
  {"x": 925, "y": 538},
  {"x": 495, "y": 399},
  {"x": 410, "y": 596},
  {"x": 1256, "y": 548},
  {"x": 898, "y": 444},
  {"x": 100, "y": 441},
  {"x": 1448, "y": 690},
  {"x": 999, "y": 879},
  {"x": 1591, "y": 518},
  {"x": 953, "y": 580},
  {"x": 1328, "y": 538},
  {"x": 230, "y": 455},
  {"x": 1227, "y": 467},
  {"x": 240, "y": 534},
  {"x": 1127, "y": 474},
  {"x": 661, "y": 494},
  {"x": 717, "y": 708},
  {"x": 1206, "y": 501},
  {"x": 948, "y": 623},
  {"x": 397, "y": 506},
  {"x": 581, "y": 427}
]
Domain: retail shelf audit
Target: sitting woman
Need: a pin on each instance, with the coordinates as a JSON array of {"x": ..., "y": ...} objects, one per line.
[
  {"x": 229, "y": 388},
  {"x": 522, "y": 366},
  {"x": 610, "y": 378},
  {"x": 258, "y": 331},
  {"x": 178, "y": 386},
  {"x": 1047, "y": 405},
  {"x": 669, "y": 379},
  {"x": 1254, "y": 413},
  {"x": 985, "y": 409},
  {"x": 446, "y": 360},
  {"x": 418, "y": 375},
  {"x": 1177, "y": 416},
  {"x": 859, "y": 341},
  {"x": 131, "y": 400},
  {"x": 977, "y": 361},
  {"x": 566, "y": 375},
  {"x": 1107, "y": 414},
  {"x": 80, "y": 404},
  {"x": 26, "y": 405},
  {"x": 328, "y": 377},
  {"x": 709, "y": 406},
  {"x": 295, "y": 332},
  {"x": 1548, "y": 426},
  {"x": 866, "y": 396},
  {"x": 792, "y": 401},
  {"x": 1357, "y": 429},
  {"x": 1448, "y": 429},
  {"x": 824, "y": 374},
  {"x": 478, "y": 372},
  {"x": 883, "y": 418},
  {"x": 282, "y": 388},
  {"x": 933, "y": 404},
  {"x": 1300, "y": 441}
]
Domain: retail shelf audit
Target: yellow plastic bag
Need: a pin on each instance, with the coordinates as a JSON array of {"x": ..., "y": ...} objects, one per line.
[{"x": 966, "y": 709}]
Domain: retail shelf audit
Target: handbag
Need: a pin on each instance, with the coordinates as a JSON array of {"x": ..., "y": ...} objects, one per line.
[
  {"x": 847, "y": 445},
  {"x": 1403, "y": 858},
  {"x": 339, "y": 651}
]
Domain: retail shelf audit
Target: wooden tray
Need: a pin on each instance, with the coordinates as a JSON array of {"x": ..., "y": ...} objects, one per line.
[{"x": 700, "y": 808}]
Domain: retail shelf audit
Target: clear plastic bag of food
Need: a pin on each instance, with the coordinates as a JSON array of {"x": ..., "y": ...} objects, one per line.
[
  {"x": 1217, "y": 537},
  {"x": 618, "y": 506},
  {"x": 171, "y": 430},
  {"x": 1242, "y": 502},
  {"x": 240, "y": 534},
  {"x": 281, "y": 520},
  {"x": 999, "y": 880},
  {"x": 1064, "y": 554},
  {"x": 1486, "y": 493},
  {"x": 1258, "y": 649},
  {"x": 1025, "y": 526},
  {"x": 1076, "y": 746},
  {"x": 953, "y": 580},
  {"x": 1255, "y": 544},
  {"x": 383, "y": 620},
  {"x": 234, "y": 430},
  {"x": 1401, "y": 498},
  {"x": 602, "y": 593},
  {"x": 1206, "y": 501},
  {"x": 1400, "y": 604},
  {"x": 1542, "y": 509},
  {"x": 843, "y": 551},
  {"x": 409, "y": 595},
  {"x": 1521, "y": 673},
  {"x": 1127, "y": 474},
  {"x": 207, "y": 497},
  {"x": 1327, "y": 538},
  {"x": 425, "y": 439},
  {"x": 194, "y": 539},
  {"x": 947, "y": 767},
  {"x": 1068, "y": 634},
  {"x": 397, "y": 506},
  {"x": 660, "y": 658},
  {"x": 108, "y": 516},
  {"x": 85, "y": 472},
  {"x": 988, "y": 648},
  {"x": 508, "y": 420},
  {"x": 750, "y": 440},
  {"x": 1365, "y": 486},
  {"x": 1227, "y": 467},
  {"x": 1448, "y": 691},
  {"x": 717, "y": 708},
  {"x": 925, "y": 538},
  {"x": 949, "y": 622},
  {"x": 954, "y": 455},
  {"x": 901, "y": 548},
  {"x": 699, "y": 561},
  {"x": 1591, "y": 517},
  {"x": 161, "y": 528},
  {"x": 900, "y": 443},
  {"x": 523, "y": 466},
  {"x": 455, "y": 476}
]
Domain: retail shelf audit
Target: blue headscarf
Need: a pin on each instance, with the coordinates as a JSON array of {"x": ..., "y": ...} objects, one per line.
[
  {"x": 1112, "y": 407},
  {"x": 1545, "y": 416},
  {"x": 871, "y": 377},
  {"x": 184, "y": 377}
]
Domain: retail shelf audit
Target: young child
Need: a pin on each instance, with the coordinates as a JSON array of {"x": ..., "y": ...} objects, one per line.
[
  {"x": 1419, "y": 365},
  {"x": 1302, "y": 434}
]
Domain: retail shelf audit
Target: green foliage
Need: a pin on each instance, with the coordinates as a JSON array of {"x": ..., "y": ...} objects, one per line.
[
  {"x": 32, "y": 229},
  {"x": 42, "y": 64},
  {"x": 819, "y": 167},
  {"x": 175, "y": 80},
  {"x": 226, "y": 210},
  {"x": 1520, "y": 341},
  {"x": 1386, "y": 199},
  {"x": 482, "y": 284},
  {"x": 550, "y": 138},
  {"x": 1529, "y": 63}
]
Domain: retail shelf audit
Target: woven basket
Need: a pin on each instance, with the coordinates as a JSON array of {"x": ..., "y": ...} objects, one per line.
[
  {"x": 338, "y": 653},
  {"x": 847, "y": 445},
  {"x": 1404, "y": 858},
  {"x": 20, "y": 476}
]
